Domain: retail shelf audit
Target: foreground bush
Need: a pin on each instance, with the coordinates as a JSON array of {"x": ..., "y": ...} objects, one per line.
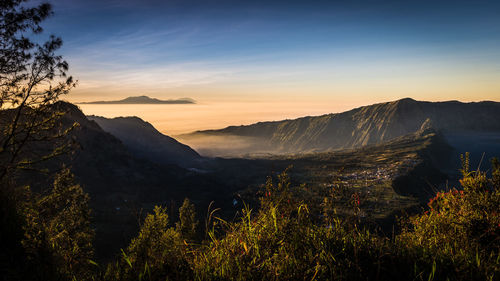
[
  {"x": 47, "y": 235},
  {"x": 157, "y": 253},
  {"x": 462, "y": 225}
]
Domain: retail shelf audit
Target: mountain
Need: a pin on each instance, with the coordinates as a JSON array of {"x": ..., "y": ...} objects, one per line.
[
  {"x": 358, "y": 127},
  {"x": 122, "y": 187},
  {"x": 144, "y": 100},
  {"x": 144, "y": 141},
  {"x": 119, "y": 163}
]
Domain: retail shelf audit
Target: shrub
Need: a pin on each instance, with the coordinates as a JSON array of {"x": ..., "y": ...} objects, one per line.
[
  {"x": 157, "y": 253},
  {"x": 462, "y": 225},
  {"x": 57, "y": 232},
  {"x": 187, "y": 223}
]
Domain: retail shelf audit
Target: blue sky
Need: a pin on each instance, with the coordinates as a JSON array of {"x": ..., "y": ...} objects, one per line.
[{"x": 329, "y": 51}]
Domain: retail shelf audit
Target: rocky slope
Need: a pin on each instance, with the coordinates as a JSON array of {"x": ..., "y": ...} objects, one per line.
[{"x": 364, "y": 125}]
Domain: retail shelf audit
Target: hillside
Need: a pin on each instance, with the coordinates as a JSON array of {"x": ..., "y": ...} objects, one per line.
[
  {"x": 392, "y": 174},
  {"x": 145, "y": 142},
  {"x": 358, "y": 127},
  {"x": 121, "y": 186}
]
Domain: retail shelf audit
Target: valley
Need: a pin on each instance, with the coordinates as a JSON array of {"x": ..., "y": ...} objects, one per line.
[{"x": 128, "y": 167}]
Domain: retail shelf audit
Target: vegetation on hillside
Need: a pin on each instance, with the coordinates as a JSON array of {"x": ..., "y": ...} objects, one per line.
[
  {"x": 45, "y": 235},
  {"x": 457, "y": 238},
  {"x": 48, "y": 235}
]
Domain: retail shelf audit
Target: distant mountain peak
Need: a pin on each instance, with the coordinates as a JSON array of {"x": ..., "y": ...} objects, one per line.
[
  {"x": 406, "y": 100},
  {"x": 144, "y": 100}
]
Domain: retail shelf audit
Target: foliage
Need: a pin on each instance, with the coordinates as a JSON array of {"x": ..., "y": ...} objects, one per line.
[
  {"x": 457, "y": 239},
  {"x": 282, "y": 242},
  {"x": 341, "y": 198},
  {"x": 462, "y": 225},
  {"x": 57, "y": 231},
  {"x": 12, "y": 255},
  {"x": 46, "y": 236},
  {"x": 155, "y": 254},
  {"x": 187, "y": 220}
]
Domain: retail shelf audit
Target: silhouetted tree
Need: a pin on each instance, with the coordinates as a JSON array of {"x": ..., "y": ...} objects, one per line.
[{"x": 32, "y": 77}]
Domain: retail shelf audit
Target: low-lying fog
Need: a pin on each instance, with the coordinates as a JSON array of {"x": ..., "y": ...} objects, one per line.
[
  {"x": 225, "y": 146},
  {"x": 176, "y": 119}
]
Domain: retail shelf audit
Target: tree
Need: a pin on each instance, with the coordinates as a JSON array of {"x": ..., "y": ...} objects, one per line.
[
  {"x": 58, "y": 236},
  {"x": 49, "y": 237},
  {"x": 66, "y": 215},
  {"x": 32, "y": 78},
  {"x": 187, "y": 220}
]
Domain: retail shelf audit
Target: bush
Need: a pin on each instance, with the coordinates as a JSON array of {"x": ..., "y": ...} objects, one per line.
[
  {"x": 462, "y": 225},
  {"x": 187, "y": 220},
  {"x": 157, "y": 253},
  {"x": 57, "y": 236}
]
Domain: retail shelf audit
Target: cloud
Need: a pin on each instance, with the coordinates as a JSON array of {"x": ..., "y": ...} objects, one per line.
[{"x": 158, "y": 77}]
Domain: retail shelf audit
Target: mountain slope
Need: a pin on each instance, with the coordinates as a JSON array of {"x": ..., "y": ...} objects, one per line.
[
  {"x": 121, "y": 186},
  {"x": 365, "y": 125},
  {"x": 144, "y": 141}
]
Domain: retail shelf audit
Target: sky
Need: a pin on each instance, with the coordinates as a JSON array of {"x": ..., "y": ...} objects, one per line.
[{"x": 316, "y": 53}]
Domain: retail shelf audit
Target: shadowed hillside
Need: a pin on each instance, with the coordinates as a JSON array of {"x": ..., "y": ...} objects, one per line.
[
  {"x": 122, "y": 187},
  {"x": 355, "y": 128},
  {"x": 144, "y": 141}
]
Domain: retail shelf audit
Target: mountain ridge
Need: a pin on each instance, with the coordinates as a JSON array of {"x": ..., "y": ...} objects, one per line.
[{"x": 364, "y": 125}]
